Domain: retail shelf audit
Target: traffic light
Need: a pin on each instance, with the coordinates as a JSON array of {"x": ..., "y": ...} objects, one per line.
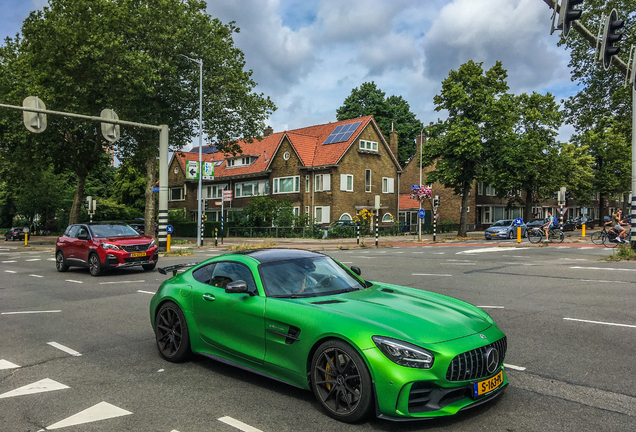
[
  {"x": 35, "y": 122},
  {"x": 436, "y": 201},
  {"x": 567, "y": 14},
  {"x": 87, "y": 203},
  {"x": 205, "y": 205},
  {"x": 610, "y": 37}
]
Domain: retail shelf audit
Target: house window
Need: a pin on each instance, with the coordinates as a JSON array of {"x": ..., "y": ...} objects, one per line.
[
  {"x": 369, "y": 145},
  {"x": 286, "y": 184},
  {"x": 307, "y": 183},
  {"x": 486, "y": 213},
  {"x": 367, "y": 180},
  {"x": 480, "y": 188},
  {"x": 346, "y": 182},
  {"x": 321, "y": 214},
  {"x": 490, "y": 191},
  {"x": 214, "y": 191},
  {"x": 387, "y": 217},
  {"x": 388, "y": 185},
  {"x": 296, "y": 211},
  {"x": 323, "y": 182},
  {"x": 236, "y": 162},
  {"x": 306, "y": 210},
  {"x": 345, "y": 217},
  {"x": 177, "y": 194}
]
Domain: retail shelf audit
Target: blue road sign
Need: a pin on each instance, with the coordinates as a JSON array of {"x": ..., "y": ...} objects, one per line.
[
  {"x": 518, "y": 222},
  {"x": 421, "y": 213},
  {"x": 169, "y": 229}
]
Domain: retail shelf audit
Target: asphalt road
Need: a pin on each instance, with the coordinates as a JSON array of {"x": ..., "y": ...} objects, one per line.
[{"x": 77, "y": 353}]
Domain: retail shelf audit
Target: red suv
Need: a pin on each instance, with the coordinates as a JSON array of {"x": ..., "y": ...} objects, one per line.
[{"x": 104, "y": 246}]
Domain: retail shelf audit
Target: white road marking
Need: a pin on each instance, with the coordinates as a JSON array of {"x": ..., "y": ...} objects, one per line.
[
  {"x": 145, "y": 292},
  {"x": 366, "y": 257},
  {"x": 461, "y": 263},
  {"x": 101, "y": 411},
  {"x": 346, "y": 262},
  {"x": 121, "y": 282},
  {"x": 6, "y": 364},
  {"x": 456, "y": 260},
  {"x": 50, "y": 259},
  {"x": 603, "y": 268},
  {"x": 34, "y": 259},
  {"x": 74, "y": 281},
  {"x": 491, "y": 307},
  {"x": 10, "y": 271},
  {"x": 574, "y": 259},
  {"x": 603, "y": 281},
  {"x": 238, "y": 424},
  {"x": 65, "y": 349},
  {"x": 41, "y": 386},
  {"x": 513, "y": 367},
  {"x": 491, "y": 249},
  {"x": 601, "y": 322},
  {"x": 429, "y": 274},
  {"x": 585, "y": 248},
  {"x": 439, "y": 253},
  {"x": 417, "y": 252},
  {"x": 34, "y": 275},
  {"x": 7, "y": 262},
  {"x": 29, "y": 312}
]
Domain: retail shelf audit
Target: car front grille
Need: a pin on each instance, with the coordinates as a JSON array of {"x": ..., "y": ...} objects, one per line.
[
  {"x": 135, "y": 248},
  {"x": 471, "y": 365},
  {"x": 425, "y": 397}
]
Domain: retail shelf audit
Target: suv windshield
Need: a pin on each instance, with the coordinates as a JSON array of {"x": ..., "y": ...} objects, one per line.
[
  {"x": 306, "y": 277},
  {"x": 113, "y": 230}
]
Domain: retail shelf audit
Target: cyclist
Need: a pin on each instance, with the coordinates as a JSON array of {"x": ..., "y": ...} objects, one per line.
[
  {"x": 550, "y": 223},
  {"x": 617, "y": 226}
]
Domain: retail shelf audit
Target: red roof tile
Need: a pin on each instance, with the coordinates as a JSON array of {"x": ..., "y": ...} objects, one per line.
[{"x": 408, "y": 203}]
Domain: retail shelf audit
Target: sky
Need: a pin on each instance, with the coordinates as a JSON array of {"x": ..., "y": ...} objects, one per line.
[{"x": 308, "y": 55}]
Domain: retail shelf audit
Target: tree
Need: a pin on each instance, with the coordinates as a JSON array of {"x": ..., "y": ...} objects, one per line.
[
  {"x": 390, "y": 113},
  {"x": 528, "y": 159},
  {"x": 83, "y": 56},
  {"x": 478, "y": 119}
]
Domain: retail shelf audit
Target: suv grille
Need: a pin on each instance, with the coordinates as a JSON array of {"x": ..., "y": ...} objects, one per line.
[
  {"x": 471, "y": 365},
  {"x": 135, "y": 248}
]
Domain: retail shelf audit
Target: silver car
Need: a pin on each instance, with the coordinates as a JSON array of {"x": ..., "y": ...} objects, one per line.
[{"x": 504, "y": 228}]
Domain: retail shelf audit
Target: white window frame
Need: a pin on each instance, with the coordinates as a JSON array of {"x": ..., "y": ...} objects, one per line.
[
  {"x": 490, "y": 191},
  {"x": 277, "y": 180},
  {"x": 388, "y": 185},
  {"x": 322, "y": 182},
  {"x": 368, "y": 184},
  {"x": 325, "y": 212},
  {"x": 346, "y": 182},
  {"x": 369, "y": 145},
  {"x": 347, "y": 215},
  {"x": 387, "y": 217},
  {"x": 183, "y": 191},
  {"x": 307, "y": 183},
  {"x": 239, "y": 189}
]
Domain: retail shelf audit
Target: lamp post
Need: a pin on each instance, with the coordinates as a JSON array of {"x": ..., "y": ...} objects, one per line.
[
  {"x": 419, "y": 219},
  {"x": 199, "y": 219}
]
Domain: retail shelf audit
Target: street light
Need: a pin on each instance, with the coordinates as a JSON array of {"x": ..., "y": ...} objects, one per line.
[{"x": 199, "y": 220}]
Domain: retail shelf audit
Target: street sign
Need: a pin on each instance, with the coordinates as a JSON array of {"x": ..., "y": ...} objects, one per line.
[
  {"x": 415, "y": 186},
  {"x": 421, "y": 213},
  {"x": 192, "y": 170},
  {"x": 562, "y": 210},
  {"x": 584, "y": 210},
  {"x": 109, "y": 130},
  {"x": 218, "y": 203},
  {"x": 518, "y": 221},
  {"x": 169, "y": 229},
  {"x": 35, "y": 122},
  {"x": 227, "y": 195},
  {"x": 208, "y": 170},
  {"x": 583, "y": 219}
]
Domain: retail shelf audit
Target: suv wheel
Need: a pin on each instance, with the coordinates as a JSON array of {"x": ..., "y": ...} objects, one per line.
[
  {"x": 94, "y": 265},
  {"x": 60, "y": 265}
]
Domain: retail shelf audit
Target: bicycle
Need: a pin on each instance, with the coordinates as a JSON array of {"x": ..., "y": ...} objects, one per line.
[
  {"x": 555, "y": 235},
  {"x": 610, "y": 238},
  {"x": 599, "y": 236}
]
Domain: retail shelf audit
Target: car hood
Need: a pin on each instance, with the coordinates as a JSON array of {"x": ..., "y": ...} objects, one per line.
[
  {"x": 410, "y": 314},
  {"x": 497, "y": 228},
  {"x": 126, "y": 240}
]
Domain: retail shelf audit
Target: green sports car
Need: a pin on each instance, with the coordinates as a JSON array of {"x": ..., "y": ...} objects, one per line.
[{"x": 362, "y": 347}]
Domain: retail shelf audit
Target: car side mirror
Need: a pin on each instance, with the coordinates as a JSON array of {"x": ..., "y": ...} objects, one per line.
[
  {"x": 83, "y": 236},
  {"x": 356, "y": 270},
  {"x": 237, "y": 287}
]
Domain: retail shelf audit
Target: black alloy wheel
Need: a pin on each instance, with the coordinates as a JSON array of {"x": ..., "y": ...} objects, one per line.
[
  {"x": 171, "y": 333},
  {"x": 60, "y": 265},
  {"x": 341, "y": 382},
  {"x": 94, "y": 265}
]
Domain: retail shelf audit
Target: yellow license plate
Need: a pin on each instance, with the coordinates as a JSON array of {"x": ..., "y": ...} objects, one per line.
[
  {"x": 138, "y": 254},
  {"x": 486, "y": 386}
]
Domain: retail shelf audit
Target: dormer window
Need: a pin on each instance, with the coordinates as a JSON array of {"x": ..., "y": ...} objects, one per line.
[
  {"x": 369, "y": 145},
  {"x": 240, "y": 161}
]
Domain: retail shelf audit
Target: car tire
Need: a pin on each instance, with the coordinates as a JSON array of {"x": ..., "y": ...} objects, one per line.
[
  {"x": 510, "y": 235},
  {"x": 149, "y": 267},
  {"x": 60, "y": 262},
  {"x": 171, "y": 333},
  {"x": 94, "y": 265},
  {"x": 347, "y": 397}
]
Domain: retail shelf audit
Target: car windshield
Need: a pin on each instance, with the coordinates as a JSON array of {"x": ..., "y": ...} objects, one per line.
[
  {"x": 502, "y": 223},
  {"x": 306, "y": 277},
  {"x": 113, "y": 230}
]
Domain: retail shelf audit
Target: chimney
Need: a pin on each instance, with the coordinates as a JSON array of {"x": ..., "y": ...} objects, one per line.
[
  {"x": 268, "y": 131},
  {"x": 393, "y": 142}
]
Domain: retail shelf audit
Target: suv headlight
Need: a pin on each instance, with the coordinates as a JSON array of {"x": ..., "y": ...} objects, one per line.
[
  {"x": 107, "y": 246},
  {"x": 152, "y": 243},
  {"x": 404, "y": 353}
]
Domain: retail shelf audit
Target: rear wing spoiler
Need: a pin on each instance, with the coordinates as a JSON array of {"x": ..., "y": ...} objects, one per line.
[{"x": 175, "y": 268}]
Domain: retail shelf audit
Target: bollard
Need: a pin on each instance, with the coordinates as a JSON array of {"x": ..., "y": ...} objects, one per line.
[
  {"x": 518, "y": 234},
  {"x": 358, "y": 235},
  {"x": 376, "y": 227},
  {"x": 168, "y": 244},
  {"x": 583, "y": 230},
  {"x": 26, "y": 239},
  {"x": 216, "y": 237}
]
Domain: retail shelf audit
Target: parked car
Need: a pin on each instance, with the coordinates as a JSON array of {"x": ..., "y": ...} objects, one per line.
[
  {"x": 572, "y": 224},
  {"x": 535, "y": 223},
  {"x": 364, "y": 348},
  {"x": 504, "y": 228},
  {"x": 15, "y": 233},
  {"x": 139, "y": 227},
  {"x": 104, "y": 246}
]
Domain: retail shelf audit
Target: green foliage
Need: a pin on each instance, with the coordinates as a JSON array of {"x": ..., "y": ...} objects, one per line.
[
  {"x": 177, "y": 216},
  {"x": 392, "y": 111},
  {"x": 129, "y": 186}
]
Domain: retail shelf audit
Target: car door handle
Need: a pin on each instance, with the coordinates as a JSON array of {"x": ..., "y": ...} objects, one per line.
[{"x": 208, "y": 297}]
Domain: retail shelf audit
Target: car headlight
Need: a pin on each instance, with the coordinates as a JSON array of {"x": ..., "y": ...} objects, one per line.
[
  {"x": 108, "y": 246},
  {"x": 404, "y": 353},
  {"x": 152, "y": 243}
]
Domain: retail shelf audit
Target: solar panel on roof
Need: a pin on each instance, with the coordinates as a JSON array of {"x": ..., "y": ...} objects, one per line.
[{"x": 342, "y": 133}]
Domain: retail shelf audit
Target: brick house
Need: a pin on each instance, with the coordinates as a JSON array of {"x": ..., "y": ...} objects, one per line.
[{"x": 329, "y": 172}]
